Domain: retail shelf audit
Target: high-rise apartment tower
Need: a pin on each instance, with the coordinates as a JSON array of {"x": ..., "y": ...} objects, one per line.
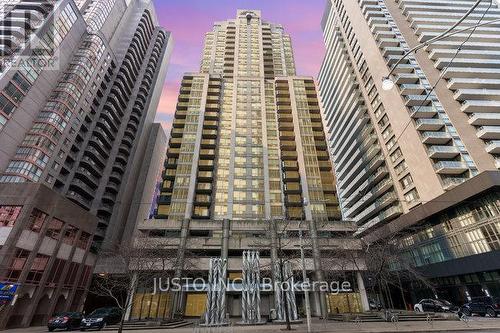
[
  {"x": 79, "y": 87},
  {"x": 247, "y": 163},
  {"x": 421, "y": 158}
]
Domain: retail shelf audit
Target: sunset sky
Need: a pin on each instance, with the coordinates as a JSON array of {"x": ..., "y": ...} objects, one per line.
[{"x": 189, "y": 20}]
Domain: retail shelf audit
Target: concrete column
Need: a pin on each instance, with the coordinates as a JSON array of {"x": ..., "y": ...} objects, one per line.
[
  {"x": 181, "y": 255},
  {"x": 226, "y": 227},
  {"x": 318, "y": 271},
  {"x": 362, "y": 291}
]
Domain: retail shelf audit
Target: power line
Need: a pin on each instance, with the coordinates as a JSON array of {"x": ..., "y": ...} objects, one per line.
[{"x": 443, "y": 72}]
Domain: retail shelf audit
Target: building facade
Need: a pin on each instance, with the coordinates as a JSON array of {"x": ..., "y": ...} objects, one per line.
[
  {"x": 45, "y": 251},
  {"x": 399, "y": 151},
  {"x": 247, "y": 163},
  {"x": 78, "y": 99}
]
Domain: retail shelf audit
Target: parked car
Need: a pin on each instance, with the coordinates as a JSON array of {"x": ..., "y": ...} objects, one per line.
[
  {"x": 65, "y": 320},
  {"x": 482, "y": 306},
  {"x": 434, "y": 305},
  {"x": 101, "y": 317}
]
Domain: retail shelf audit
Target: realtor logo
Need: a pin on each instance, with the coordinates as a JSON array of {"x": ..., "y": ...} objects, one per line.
[{"x": 30, "y": 37}]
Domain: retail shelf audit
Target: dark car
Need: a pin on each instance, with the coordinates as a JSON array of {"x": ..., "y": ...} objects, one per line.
[
  {"x": 101, "y": 317},
  {"x": 434, "y": 305},
  {"x": 482, "y": 306},
  {"x": 65, "y": 320}
]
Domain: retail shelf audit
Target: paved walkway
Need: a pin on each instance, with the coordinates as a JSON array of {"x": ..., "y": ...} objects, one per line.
[{"x": 490, "y": 325}]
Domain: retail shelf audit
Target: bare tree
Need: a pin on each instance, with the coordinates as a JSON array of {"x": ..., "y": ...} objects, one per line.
[
  {"x": 133, "y": 265},
  {"x": 387, "y": 266}
]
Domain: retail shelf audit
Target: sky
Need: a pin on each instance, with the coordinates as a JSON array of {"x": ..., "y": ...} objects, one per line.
[{"x": 189, "y": 20}]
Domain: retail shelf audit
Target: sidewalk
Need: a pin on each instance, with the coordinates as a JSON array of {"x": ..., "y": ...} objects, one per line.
[{"x": 477, "y": 324}]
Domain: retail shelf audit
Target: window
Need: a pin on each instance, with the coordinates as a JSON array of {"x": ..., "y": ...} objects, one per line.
[
  {"x": 55, "y": 271},
  {"x": 37, "y": 268},
  {"x": 406, "y": 182},
  {"x": 401, "y": 167},
  {"x": 70, "y": 235},
  {"x": 17, "y": 264},
  {"x": 84, "y": 240},
  {"x": 13, "y": 92},
  {"x": 8, "y": 215},
  {"x": 396, "y": 155},
  {"x": 3, "y": 121},
  {"x": 5, "y": 105},
  {"x": 37, "y": 218},
  {"x": 54, "y": 228},
  {"x": 412, "y": 196}
]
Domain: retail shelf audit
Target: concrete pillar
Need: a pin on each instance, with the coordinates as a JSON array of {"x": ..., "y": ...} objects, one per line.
[
  {"x": 315, "y": 304},
  {"x": 318, "y": 271},
  {"x": 225, "y": 238},
  {"x": 181, "y": 255},
  {"x": 362, "y": 291}
]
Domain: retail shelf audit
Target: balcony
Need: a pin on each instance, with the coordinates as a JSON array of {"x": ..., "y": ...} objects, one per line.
[
  {"x": 82, "y": 186},
  {"x": 411, "y": 89},
  {"x": 180, "y": 114},
  {"x": 116, "y": 176},
  {"x": 480, "y": 106},
  {"x": 212, "y": 106},
  {"x": 177, "y": 132},
  {"x": 484, "y": 119},
  {"x": 417, "y": 100},
  {"x": 173, "y": 152},
  {"x": 423, "y": 112},
  {"x": 288, "y": 145},
  {"x": 322, "y": 155},
  {"x": 451, "y": 182},
  {"x": 169, "y": 173},
  {"x": 289, "y": 155},
  {"x": 433, "y": 124},
  {"x": 293, "y": 188},
  {"x": 493, "y": 147},
  {"x": 175, "y": 142},
  {"x": 489, "y": 132},
  {"x": 203, "y": 200},
  {"x": 443, "y": 151},
  {"x": 208, "y": 143},
  {"x": 79, "y": 199},
  {"x": 205, "y": 176},
  {"x": 325, "y": 165},
  {"x": 290, "y": 165},
  {"x": 287, "y": 135},
  {"x": 210, "y": 124},
  {"x": 86, "y": 175},
  {"x": 109, "y": 197},
  {"x": 436, "y": 138},
  {"x": 406, "y": 78},
  {"x": 211, "y": 115},
  {"x": 292, "y": 176},
  {"x": 209, "y": 134},
  {"x": 207, "y": 153},
  {"x": 204, "y": 187},
  {"x": 206, "y": 165},
  {"x": 450, "y": 167},
  {"x": 388, "y": 42}
]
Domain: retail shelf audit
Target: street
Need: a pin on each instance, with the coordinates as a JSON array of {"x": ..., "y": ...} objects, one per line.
[{"x": 476, "y": 324}]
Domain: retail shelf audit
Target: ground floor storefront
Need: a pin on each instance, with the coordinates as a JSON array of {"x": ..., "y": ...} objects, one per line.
[{"x": 147, "y": 305}]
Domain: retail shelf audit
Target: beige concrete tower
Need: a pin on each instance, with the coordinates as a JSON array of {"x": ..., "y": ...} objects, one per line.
[
  {"x": 422, "y": 156},
  {"x": 247, "y": 158}
]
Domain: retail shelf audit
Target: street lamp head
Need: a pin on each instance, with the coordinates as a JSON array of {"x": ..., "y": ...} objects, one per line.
[{"x": 387, "y": 83}]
